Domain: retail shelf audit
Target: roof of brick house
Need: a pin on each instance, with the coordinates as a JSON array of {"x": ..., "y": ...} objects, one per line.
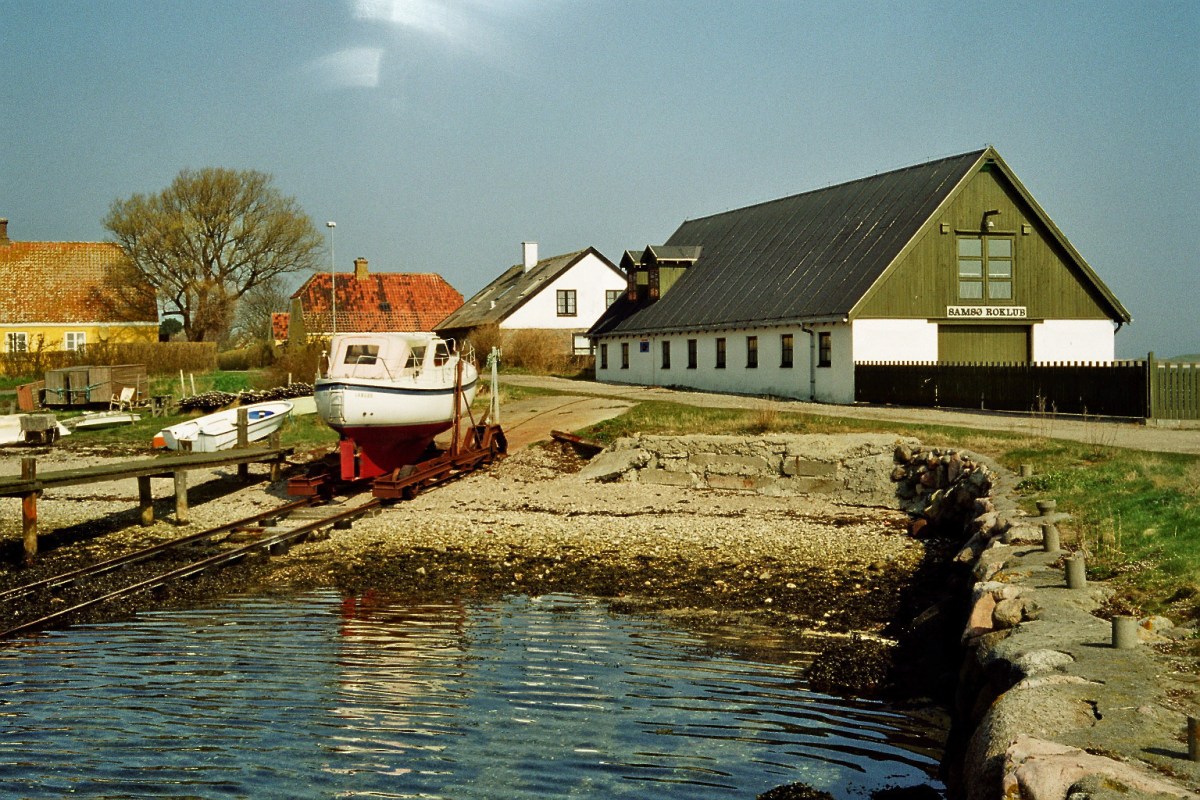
[
  {"x": 65, "y": 283},
  {"x": 386, "y": 301}
]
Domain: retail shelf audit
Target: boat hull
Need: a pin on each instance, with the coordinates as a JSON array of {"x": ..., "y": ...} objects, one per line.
[
  {"x": 384, "y": 426},
  {"x": 218, "y": 431}
]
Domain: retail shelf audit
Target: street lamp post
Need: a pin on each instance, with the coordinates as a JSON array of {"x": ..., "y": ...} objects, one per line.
[{"x": 332, "y": 280}]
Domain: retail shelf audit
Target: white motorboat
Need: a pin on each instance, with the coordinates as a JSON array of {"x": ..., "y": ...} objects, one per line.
[
  {"x": 389, "y": 394},
  {"x": 218, "y": 431}
]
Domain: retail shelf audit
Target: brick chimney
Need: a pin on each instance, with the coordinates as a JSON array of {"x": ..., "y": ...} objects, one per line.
[
  {"x": 360, "y": 269},
  {"x": 4, "y": 232},
  {"x": 529, "y": 255}
]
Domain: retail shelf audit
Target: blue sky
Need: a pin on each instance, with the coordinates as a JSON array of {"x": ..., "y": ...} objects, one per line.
[{"x": 440, "y": 134}]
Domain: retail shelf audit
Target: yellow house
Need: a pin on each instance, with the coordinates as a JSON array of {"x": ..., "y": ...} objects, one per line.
[{"x": 59, "y": 296}]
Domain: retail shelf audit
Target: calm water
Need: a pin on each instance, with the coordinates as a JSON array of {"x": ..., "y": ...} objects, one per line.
[{"x": 313, "y": 696}]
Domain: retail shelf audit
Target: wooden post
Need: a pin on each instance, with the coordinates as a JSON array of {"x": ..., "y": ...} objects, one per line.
[
  {"x": 29, "y": 510},
  {"x": 145, "y": 500},
  {"x": 243, "y": 440},
  {"x": 181, "y": 502},
  {"x": 277, "y": 462}
]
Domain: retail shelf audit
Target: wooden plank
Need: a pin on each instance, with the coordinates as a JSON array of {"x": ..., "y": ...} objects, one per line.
[{"x": 152, "y": 467}]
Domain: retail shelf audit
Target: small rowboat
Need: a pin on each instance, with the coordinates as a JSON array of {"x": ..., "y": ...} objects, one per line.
[{"x": 218, "y": 431}]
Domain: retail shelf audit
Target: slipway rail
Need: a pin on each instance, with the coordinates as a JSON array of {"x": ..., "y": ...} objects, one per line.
[
  {"x": 287, "y": 526},
  {"x": 31, "y": 483}
]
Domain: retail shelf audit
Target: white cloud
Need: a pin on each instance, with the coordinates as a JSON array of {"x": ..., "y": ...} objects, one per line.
[{"x": 352, "y": 67}]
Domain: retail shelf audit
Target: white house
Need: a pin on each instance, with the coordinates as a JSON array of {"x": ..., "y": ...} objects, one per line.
[
  {"x": 565, "y": 293},
  {"x": 944, "y": 262}
]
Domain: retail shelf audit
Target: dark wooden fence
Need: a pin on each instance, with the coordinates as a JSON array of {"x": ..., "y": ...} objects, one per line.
[{"x": 1144, "y": 388}]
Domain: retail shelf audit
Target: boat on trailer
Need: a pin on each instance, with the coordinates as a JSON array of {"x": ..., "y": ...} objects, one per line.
[
  {"x": 388, "y": 395},
  {"x": 219, "y": 431}
]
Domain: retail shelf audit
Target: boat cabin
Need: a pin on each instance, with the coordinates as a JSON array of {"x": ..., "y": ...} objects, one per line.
[{"x": 387, "y": 356}]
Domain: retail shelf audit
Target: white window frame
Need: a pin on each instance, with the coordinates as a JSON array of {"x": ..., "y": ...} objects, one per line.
[{"x": 74, "y": 340}]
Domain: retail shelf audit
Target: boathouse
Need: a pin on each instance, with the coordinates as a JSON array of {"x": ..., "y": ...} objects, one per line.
[{"x": 944, "y": 262}]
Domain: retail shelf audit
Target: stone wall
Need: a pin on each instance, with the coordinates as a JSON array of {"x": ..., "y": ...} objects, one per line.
[{"x": 848, "y": 468}]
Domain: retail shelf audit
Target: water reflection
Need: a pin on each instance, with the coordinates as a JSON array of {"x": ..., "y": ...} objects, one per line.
[{"x": 317, "y": 696}]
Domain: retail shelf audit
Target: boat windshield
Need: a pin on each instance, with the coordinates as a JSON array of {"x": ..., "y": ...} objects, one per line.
[{"x": 361, "y": 354}]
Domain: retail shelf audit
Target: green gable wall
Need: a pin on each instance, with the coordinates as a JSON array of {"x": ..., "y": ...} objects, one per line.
[{"x": 924, "y": 281}]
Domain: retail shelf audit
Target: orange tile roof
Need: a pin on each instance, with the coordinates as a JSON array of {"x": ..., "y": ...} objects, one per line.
[
  {"x": 387, "y": 301},
  {"x": 61, "y": 283},
  {"x": 279, "y": 325}
]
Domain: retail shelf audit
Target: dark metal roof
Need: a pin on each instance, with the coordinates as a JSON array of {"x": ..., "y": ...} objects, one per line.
[{"x": 806, "y": 257}]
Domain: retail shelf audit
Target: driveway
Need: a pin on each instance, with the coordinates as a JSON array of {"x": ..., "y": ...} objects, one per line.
[{"x": 1133, "y": 435}]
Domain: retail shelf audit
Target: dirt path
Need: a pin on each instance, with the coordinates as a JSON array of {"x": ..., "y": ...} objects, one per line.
[{"x": 1133, "y": 435}]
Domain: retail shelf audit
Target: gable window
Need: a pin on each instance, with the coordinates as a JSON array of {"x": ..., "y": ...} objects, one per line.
[
  {"x": 624, "y": 355},
  {"x": 785, "y": 350},
  {"x": 566, "y": 302},
  {"x": 721, "y": 353},
  {"x": 611, "y": 295},
  {"x": 985, "y": 267},
  {"x": 604, "y": 356},
  {"x": 824, "y": 349},
  {"x": 666, "y": 354},
  {"x": 751, "y": 352},
  {"x": 74, "y": 340},
  {"x": 691, "y": 353},
  {"x": 16, "y": 343}
]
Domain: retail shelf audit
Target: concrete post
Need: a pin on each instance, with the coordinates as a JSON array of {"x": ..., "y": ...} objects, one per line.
[
  {"x": 1076, "y": 572},
  {"x": 1045, "y": 507},
  {"x": 1124, "y": 632},
  {"x": 1026, "y": 470},
  {"x": 1050, "y": 542}
]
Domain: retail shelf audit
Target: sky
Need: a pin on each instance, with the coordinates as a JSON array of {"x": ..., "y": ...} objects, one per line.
[{"x": 440, "y": 134}]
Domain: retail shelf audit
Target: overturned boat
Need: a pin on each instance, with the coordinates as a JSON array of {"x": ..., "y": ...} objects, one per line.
[
  {"x": 219, "y": 431},
  {"x": 389, "y": 394}
]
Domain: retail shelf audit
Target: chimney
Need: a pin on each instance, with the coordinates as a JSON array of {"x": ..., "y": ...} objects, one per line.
[
  {"x": 529, "y": 255},
  {"x": 360, "y": 269},
  {"x": 4, "y": 231}
]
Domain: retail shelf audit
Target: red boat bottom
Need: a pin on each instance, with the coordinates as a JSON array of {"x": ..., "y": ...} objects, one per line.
[{"x": 368, "y": 452}]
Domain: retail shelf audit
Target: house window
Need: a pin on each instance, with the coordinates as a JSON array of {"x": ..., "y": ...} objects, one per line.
[
  {"x": 985, "y": 267},
  {"x": 666, "y": 354},
  {"x": 583, "y": 345},
  {"x": 721, "y": 352},
  {"x": 785, "y": 350},
  {"x": 16, "y": 343},
  {"x": 824, "y": 349},
  {"x": 604, "y": 356},
  {"x": 74, "y": 340},
  {"x": 566, "y": 302},
  {"x": 624, "y": 355},
  {"x": 751, "y": 352},
  {"x": 691, "y": 353},
  {"x": 611, "y": 295}
]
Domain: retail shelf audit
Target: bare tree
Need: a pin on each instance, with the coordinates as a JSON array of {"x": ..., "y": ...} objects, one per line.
[
  {"x": 252, "y": 322},
  {"x": 208, "y": 239}
]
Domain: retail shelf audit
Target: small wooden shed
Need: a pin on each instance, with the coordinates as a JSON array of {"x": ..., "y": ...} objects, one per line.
[{"x": 95, "y": 385}]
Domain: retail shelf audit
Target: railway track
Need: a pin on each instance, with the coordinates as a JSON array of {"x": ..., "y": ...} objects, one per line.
[{"x": 268, "y": 531}]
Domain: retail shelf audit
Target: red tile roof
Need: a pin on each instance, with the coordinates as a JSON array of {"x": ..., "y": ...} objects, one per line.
[
  {"x": 279, "y": 325},
  {"x": 62, "y": 283},
  {"x": 387, "y": 301}
]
